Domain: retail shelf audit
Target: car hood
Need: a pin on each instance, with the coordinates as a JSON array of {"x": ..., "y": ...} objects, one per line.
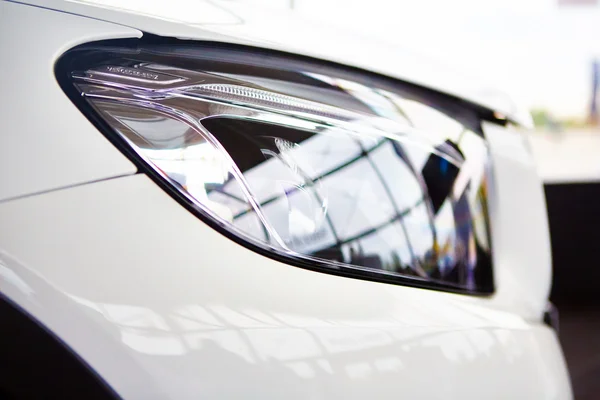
[{"x": 283, "y": 30}]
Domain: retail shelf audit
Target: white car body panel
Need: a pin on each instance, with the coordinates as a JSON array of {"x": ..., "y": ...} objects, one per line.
[
  {"x": 220, "y": 321},
  {"x": 252, "y": 25},
  {"x": 519, "y": 225},
  {"x": 40, "y": 145},
  {"x": 164, "y": 307}
]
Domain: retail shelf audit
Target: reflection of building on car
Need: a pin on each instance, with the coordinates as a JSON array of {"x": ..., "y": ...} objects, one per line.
[{"x": 428, "y": 238}]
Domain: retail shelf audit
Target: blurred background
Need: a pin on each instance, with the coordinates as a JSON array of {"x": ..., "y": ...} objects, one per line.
[{"x": 546, "y": 55}]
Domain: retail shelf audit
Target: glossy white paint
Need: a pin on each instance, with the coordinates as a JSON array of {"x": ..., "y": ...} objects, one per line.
[
  {"x": 249, "y": 24},
  {"x": 45, "y": 142},
  {"x": 164, "y": 307},
  {"x": 519, "y": 224}
]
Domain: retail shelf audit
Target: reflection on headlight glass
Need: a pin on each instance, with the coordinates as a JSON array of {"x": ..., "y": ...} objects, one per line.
[{"x": 309, "y": 165}]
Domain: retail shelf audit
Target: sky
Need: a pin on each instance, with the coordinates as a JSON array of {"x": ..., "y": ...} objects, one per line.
[{"x": 535, "y": 50}]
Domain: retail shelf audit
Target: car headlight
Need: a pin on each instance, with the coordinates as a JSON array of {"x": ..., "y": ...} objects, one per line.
[{"x": 313, "y": 164}]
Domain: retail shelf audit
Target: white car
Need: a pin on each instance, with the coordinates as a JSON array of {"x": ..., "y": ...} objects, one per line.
[{"x": 205, "y": 200}]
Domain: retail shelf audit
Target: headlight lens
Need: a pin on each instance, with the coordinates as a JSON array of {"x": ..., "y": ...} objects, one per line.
[{"x": 319, "y": 167}]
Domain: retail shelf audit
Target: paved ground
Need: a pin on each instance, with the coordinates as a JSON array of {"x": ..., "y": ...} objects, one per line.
[{"x": 572, "y": 156}]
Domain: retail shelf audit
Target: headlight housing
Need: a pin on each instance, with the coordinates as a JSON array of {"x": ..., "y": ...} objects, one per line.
[{"x": 313, "y": 164}]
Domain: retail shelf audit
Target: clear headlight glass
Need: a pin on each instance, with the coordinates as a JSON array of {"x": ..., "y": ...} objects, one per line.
[{"x": 315, "y": 165}]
